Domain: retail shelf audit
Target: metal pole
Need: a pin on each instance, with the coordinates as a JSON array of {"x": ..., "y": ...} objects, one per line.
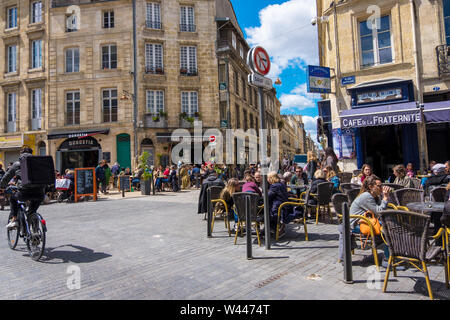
[
  {"x": 348, "y": 274},
  {"x": 248, "y": 227},
  {"x": 209, "y": 214},
  {"x": 135, "y": 109},
  {"x": 263, "y": 153}
]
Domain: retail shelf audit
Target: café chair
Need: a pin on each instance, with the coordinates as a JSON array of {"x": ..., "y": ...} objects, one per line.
[
  {"x": 294, "y": 204},
  {"x": 239, "y": 199},
  {"x": 337, "y": 200},
  {"x": 407, "y": 235},
  {"x": 322, "y": 199},
  {"x": 417, "y": 183},
  {"x": 345, "y": 177},
  {"x": 393, "y": 186},
  {"x": 438, "y": 194},
  {"x": 345, "y": 187},
  {"x": 352, "y": 195},
  {"x": 215, "y": 198},
  {"x": 357, "y": 172},
  {"x": 408, "y": 195}
]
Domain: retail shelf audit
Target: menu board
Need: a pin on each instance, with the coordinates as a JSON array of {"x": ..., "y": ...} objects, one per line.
[
  {"x": 85, "y": 183},
  {"x": 125, "y": 183}
]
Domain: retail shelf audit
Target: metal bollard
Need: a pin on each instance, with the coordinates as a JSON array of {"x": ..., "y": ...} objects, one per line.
[
  {"x": 248, "y": 227},
  {"x": 209, "y": 214},
  {"x": 348, "y": 273}
]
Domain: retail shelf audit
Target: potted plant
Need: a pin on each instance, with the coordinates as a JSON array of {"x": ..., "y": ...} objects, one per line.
[
  {"x": 159, "y": 71},
  {"x": 146, "y": 175},
  {"x": 183, "y": 71},
  {"x": 163, "y": 114},
  {"x": 155, "y": 118},
  {"x": 198, "y": 115}
]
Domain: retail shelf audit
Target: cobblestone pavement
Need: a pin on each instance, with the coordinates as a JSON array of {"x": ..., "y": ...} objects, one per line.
[{"x": 155, "y": 247}]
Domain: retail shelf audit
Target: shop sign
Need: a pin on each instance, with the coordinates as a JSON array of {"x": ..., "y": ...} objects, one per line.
[
  {"x": 368, "y": 120},
  {"x": 319, "y": 79},
  {"x": 75, "y": 143},
  {"x": 380, "y": 96},
  {"x": 348, "y": 80},
  {"x": 11, "y": 141}
]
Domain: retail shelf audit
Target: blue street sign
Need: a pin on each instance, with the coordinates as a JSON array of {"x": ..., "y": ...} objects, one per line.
[
  {"x": 348, "y": 80},
  {"x": 436, "y": 89},
  {"x": 318, "y": 79}
]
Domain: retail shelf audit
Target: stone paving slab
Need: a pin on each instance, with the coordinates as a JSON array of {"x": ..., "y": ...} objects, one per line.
[{"x": 155, "y": 247}]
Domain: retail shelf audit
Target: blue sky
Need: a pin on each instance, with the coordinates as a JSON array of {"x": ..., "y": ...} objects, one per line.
[{"x": 283, "y": 28}]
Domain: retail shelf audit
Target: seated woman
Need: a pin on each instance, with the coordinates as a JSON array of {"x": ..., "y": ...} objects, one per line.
[
  {"x": 277, "y": 195},
  {"x": 410, "y": 170},
  {"x": 226, "y": 195},
  {"x": 401, "y": 178},
  {"x": 161, "y": 177},
  {"x": 250, "y": 185},
  {"x": 374, "y": 198},
  {"x": 366, "y": 171},
  {"x": 332, "y": 177},
  {"x": 136, "y": 181},
  {"x": 319, "y": 177}
]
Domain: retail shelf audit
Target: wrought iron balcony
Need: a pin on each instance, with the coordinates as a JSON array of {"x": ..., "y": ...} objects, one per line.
[
  {"x": 155, "y": 121},
  {"x": 189, "y": 72},
  {"x": 188, "y": 27},
  {"x": 153, "y": 70},
  {"x": 153, "y": 24},
  {"x": 443, "y": 54}
]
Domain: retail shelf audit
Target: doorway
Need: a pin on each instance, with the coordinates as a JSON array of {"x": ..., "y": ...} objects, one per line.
[{"x": 123, "y": 150}]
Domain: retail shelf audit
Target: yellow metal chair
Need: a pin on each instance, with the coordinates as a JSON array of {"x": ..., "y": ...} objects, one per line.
[
  {"x": 406, "y": 234},
  {"x": 294, "y": 204},
  {"x": 224, "y": 214},
  {"x": 239, "y": 207}
]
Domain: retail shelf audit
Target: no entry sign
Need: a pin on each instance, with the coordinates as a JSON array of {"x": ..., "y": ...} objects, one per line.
[
  {"x": 259, "y": 60},
  {"x": 212, "y": 138}
]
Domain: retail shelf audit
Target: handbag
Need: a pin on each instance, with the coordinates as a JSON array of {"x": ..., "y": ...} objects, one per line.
[{"x": 365, "y": 228}]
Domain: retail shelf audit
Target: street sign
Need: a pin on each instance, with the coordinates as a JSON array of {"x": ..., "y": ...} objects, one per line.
[
  {"x": 259, "y": 61},
  {"x": 224, "y": 123},
  {"x": 212, "y": 138},
  {"x": 348, "y": 80},
  {"x": 223, "y": 86},
  {"x": 260, "y": 81},
  {"x": 319, "y": 79}
]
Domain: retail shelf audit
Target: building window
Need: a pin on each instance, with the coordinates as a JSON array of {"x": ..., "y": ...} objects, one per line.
[
  {"x": 376, "y": 42},
  {"x": 72, "y": 60},
  {"x": 36, "y": 109},
  {"x": 236, "y": 83},
  {"x": 244, "y": 89},
  {"x": 36, "y": 11},
  {"x": 71, "y": 23},
  {"x": 233, "y": 39},
  {"x": 187, "y": 19},
  {"x": 189, "y": 102},
  {"x": 110, "y": 105},
  {"x": 12, "y": 111},
  {"x": 251, "y": 121},
  {"x": 36, "y": 54},
  {"x": 155, "y": 101},
  {"x": 12, "y": 58},
  {"x": 238, "y": 118},
  {"x": 188, "y": 61},
  {"x": 447, "y": 21},
  {"x": 12, "y": 18},
  {"x": 108, "y": 19},
  {"x": 154, "y": 58},
  {"x": 153, "y": 20},
  {"x": 245, "y": 120},
  {"x": 241, "y": 51},
  {"x": 73, "y": 107},
  {"x": 109, "y": 57}
]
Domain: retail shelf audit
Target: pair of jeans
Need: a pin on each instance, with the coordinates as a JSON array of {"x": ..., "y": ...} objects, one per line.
[
  {"x": 159, "y": 182},
  {"x": 35, "y": 202}
]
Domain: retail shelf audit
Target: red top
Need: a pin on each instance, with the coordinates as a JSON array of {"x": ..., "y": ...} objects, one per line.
[{"x": 166, "y": 173}]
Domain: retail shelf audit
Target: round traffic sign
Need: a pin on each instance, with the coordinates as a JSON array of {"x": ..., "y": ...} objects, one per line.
[
  {"x": 261, "y": 61},
  {"x": 212, "y": 138}
]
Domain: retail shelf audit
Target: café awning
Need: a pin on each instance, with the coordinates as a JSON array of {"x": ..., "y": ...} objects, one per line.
[
  {"x": 76, "y": 134},
  {"x": 385, "y": 115},
  {"x": 437, "y": 112}
]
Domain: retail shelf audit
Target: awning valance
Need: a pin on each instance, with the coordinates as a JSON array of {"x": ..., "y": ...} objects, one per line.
[
  {"x": 393, "y": 114},
  {"x": 76, "y": 134},
  {"x": 436, "y": 112}
]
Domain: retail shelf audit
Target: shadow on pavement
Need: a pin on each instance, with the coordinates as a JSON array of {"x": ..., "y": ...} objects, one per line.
[{"x": 82, "y": 255}]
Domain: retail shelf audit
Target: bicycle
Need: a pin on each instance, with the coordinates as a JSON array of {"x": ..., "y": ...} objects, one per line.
[{"x": 32, "y": 228}]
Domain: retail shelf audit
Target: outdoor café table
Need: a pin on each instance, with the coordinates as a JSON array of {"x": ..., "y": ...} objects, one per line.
[
  {"x": 435, "y": 209},
  {"x": 298, "y": 189}
]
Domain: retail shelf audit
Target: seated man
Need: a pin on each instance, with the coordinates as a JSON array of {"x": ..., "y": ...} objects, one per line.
[{"x": 438, "y": 178}]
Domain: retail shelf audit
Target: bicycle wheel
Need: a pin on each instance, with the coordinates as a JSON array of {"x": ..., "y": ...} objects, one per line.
[
  {"x": 13, "y": 237},
  {"x": 36, "y": 240}
]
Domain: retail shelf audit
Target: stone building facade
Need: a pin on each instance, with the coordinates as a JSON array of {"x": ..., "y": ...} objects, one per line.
[{"x": 388, "y": 61}]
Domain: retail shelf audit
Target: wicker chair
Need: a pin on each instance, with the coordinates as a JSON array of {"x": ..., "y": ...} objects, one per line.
[
  {"x": 352, "y": 194},
  {"x": 345, "y": 177},
  {"x": 345, "y": 187},
  {"x": 438, "y": 194},
  {"x": 408, "y": 195},
  {"x": 393, "y": 186},
  {"x": 323, "y": 198},
  {"x": 407, "y": 236},
  {"x": 239, "y": 199},
  {"x": 357, "y": 172},
  {"x": 215, "y": 198},
  {"x": 417, "y": 183},
  {"x": 337, "y": 200}
]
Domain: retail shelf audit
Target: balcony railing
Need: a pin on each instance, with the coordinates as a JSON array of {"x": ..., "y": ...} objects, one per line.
[
  {"x": 189, "y": 72},
  {"x": 153, "y": 24},
  {"x": 443, "y": 54},
  {"x": 153, "y": 70},
  {"x": 155, "y": 121},
  {"x": 187, "y": 27}
]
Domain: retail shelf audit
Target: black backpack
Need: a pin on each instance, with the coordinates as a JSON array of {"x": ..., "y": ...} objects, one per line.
[{"x": 37, "y": 171}]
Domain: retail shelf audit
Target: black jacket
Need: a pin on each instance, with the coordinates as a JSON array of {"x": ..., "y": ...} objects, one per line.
[
  {"x": 212, "y": 180},
  {"x": 14, "y": 171},
  {"x": 445, "y": 218}
]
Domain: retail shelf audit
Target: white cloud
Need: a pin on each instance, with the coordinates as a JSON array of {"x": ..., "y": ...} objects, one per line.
[
  {"x": 298, "y": 99},
  {"x": 287, "y": 34}
]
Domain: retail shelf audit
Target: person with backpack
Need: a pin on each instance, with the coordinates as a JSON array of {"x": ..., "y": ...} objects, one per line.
[{"x": 35, "y": 193}]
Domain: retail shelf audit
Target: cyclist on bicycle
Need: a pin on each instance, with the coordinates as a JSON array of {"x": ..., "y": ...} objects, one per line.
[{"x": 34, "y": 194}]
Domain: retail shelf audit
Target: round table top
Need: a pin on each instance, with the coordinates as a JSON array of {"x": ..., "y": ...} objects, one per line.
[
  {"x": 293, "y": 186},
  {"x": 426, "y": 207}
]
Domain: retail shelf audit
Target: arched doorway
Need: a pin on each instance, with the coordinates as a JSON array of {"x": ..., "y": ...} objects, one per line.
[
  {"x": 147, "y": 146},
  {"x": 123, "y": 150},
  {"x": 79, "y": 153}
]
